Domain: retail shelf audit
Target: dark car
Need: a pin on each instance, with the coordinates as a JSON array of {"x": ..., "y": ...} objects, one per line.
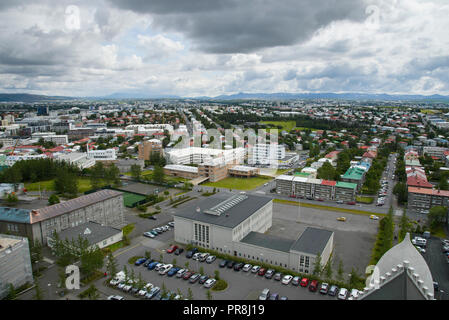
[
  {"x": 231, "y": 264},
  {"x": 238, "y": 266},
  {"x": 313, "y": 286},
  {"x": 269, "y": 274},
  {"x": 278, "y": 276},
  {"x": 135, "y": 290},
  {"x": 223, "y": 263},
  {"x": 203, "y": 279},
  {"x": 152, "y": 265},
  {"x": 152, "y": 217},
  {"x": 190, "y": 253},
  {"x": 274, "y": 296},
  {"x": 147, "y": 263},
  {"x": 140, "y": 261},
  {"x": 187, "y": 275},
  {"x": 172, "y": 271},
  {"x": 194, "y": 278},
  {"x": 179, "y": 251}
]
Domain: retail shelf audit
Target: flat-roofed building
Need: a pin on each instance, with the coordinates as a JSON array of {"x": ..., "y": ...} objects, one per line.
[
  {"x": 214, "y": 171},
  {"x": 325, "y": 190},
  {"x": 149, "y": 147},
  {"x": 15, "y": 263},
  {"x": 243, "y": 171},
  {"x": 422, "y": 199},
  {"x": 177, "y": 170},
  {"x": 345, "y": 191},
  {"x": 78, "y": 159}
]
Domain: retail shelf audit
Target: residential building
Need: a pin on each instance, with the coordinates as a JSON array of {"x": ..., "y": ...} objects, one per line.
[{"x": 148, "y": 147}]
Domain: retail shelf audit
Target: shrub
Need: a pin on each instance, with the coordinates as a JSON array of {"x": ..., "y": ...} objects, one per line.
[{"x": 220, "y": 285}]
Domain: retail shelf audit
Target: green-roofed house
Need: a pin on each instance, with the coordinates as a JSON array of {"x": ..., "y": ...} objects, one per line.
[
  {"x": 355, "y": 175},
  {"x": 345, "y": 191}
]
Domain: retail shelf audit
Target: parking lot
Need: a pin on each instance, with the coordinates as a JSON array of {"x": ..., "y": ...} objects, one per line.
[
  {"x": 353, "y": 239},
  {"x": 241, "y": 285}
]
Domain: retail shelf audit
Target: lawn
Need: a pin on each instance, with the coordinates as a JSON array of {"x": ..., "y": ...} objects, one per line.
[
  {"x": 239, "y": 183},
  {"x": 286, "y": 125},
  {"x": 367, "y": 200},
  {"x": 83, "y": 185}
]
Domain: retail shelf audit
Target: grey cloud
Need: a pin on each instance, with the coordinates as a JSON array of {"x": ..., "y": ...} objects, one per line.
[{"x": 232, "y": 26}]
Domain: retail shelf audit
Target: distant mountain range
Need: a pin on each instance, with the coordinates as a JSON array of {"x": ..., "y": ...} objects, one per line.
[
  {"x": 341, "y": 96},
  {"x": 30, "y": 98}
]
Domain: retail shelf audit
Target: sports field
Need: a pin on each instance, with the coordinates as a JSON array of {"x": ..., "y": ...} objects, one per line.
[{"x": 129, "y": 199}]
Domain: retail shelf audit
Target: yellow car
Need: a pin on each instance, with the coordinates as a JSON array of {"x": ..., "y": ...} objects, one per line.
[
  {"x": 374, "y": 217},
  {"x": 341, "y": 219}
]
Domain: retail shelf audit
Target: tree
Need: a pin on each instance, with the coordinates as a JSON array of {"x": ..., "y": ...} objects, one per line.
[
  {"x": 328, "y": 268},
  {"x": 340, "y": 271},
  {"x": 163, "y": 290},
  {"x": 11, "y": 198},
  {"x": 91, "y": 260},
  {"x": 217, "y": 275},
  {"x": 404, "y": 226},
  {"x": 437, "y": 215},
  {"x": 112, "y": 175},
  {"x": 158, "y": 174},
  {"x": 53, "y": 199},
  {"x": 136, "y": 171},
  {"x": 327, "y": 172},
  {"x": 189, "y": 294},
  {"x": 186, "y": 265},
  {"x": 66, "y": 183},
  {"x": 148, "y": 254},
  {"x": 201, "y": 271},
  {"x": 400, "y": 190},
  {"x": 61, "y": 277},
  {"x": 209, "y": 295},
  {"x": 97, "y": 173},
  {"x": 111, "y": 266},
  {"x": 38, "y": 295},
  {"x": 317, "y": 267}
]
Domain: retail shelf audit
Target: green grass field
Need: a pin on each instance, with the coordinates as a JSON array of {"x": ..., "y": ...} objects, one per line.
[
  {"x": 83, "y": 185},
  {"x": 367, "y": 200},
  {"x": 130, "y": 198},
  {"x": 286, "y": 125},
  {"x": 239, "y": 183}
]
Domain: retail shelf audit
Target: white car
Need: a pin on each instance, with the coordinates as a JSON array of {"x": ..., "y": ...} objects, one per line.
[
  {"x": 247, "y": 267},
  {"x": 165, "y": 269},
  {"x": 354, "y": 294},
  {"x": 255, "y": 269},
  {"x": 116, "y": 298},
  {"x": 158, "y": 266},
  {"x": 121, "y": 284},
  {"x": 287, "y": 279},
  {"x": 196, "y": 256},
  {"x": 343, "y": 294},
  {"x": 128, "y": 286},
  {"x": 180, "y": 273},
  {"x": 146, "y": 289},
  {"x": 210, "y": 283}
]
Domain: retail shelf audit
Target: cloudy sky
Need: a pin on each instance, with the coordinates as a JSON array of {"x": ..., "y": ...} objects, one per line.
[{"x": 211, "y": 47}]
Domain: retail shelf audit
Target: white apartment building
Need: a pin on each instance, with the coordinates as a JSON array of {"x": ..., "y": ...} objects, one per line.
[
  {"x": 78, "y": 159},
  {"x": 105, "y": 155},
  {"x": 196, "y": 155},
  {"x": 266, "y": 153}
]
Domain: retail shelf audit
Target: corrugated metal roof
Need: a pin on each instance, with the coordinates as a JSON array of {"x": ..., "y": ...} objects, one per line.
[{"x": 72, "y": 205}]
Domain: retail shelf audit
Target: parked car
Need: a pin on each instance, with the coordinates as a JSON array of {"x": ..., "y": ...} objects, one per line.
[
  {"x": 333, "y": 291},
  {"x": 171, "y": 224},
  {"x": 140, "y": 261},
  {"x": 269, "y": 274},
  {"x": 190, "y": 253},
  {"x": 158, "y": 266},
  {"x": 283, "y": 298},
  {"x": 152, "y": 217},
  {"x": 211, "y": 259},
  {"x": 172, "y": 271},
  {"x": 128, "y": 286},
  {"x": 340, "y": 201},
  {"x": 274, "y": 296},
  {"x": 354, "y": 294},
  {"x": 203, "y": 279},
  {"x": 116, "y": 298},
  {"x": 154, "y": 232},
  {"x": 203, "y": 256},
  {"x": 341, "y": 219},
  {"x": 121, "y": 284},
  {"x": 187, "y": 275},
  {"x": 238, "y": 266},
  {"x": 152, "y": 265},
  {"x": 351, "y": 203},
  {"x": 180, "y": 273},
  {"x": 296, "y": 280},
  {"x": 324, "y": 288},
  {"x": 135, "y": 290},
  {"x": 194, "y": 278},
  {"x": 287, "y": 279},
  {"x": 255, "y": 269},
  {"x": 210, "y": 283},
  {"x": 262, "y": 271},
  {"x": 153, "y": 292},
  {"x": 145, "y": 289},
  {"x": 196, "y": 256},
  {"x": 172, "y": 249},
  {"x": 313, "y": 286},
  {"x": 223, "y": 263},
  {"x": 147, "y": 263},
  {"x": 148, "y": 234},
  {"x": 179, "y": 251},
  {"x": 278, "y": 276},
  {"x": 265, "y": 295},
  {"x": 304, "y": 282},
  {"x": 343, "y": 294},
  {"x": 247, "y": 267},
  {"x": 230, "y": 264},
  {"x": 373, "y": 217}
]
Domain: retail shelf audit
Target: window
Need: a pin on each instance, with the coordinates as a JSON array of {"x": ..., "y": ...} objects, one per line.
[
  {"x": 105, "y": 242},
  {"x": 13, "y": 227}
]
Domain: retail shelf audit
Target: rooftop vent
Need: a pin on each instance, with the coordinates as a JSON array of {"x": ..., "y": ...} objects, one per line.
[{"x": 226, "y": 205}]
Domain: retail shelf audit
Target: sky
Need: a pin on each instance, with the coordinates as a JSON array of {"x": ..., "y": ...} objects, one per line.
[{"x": 196, "y": 48}]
